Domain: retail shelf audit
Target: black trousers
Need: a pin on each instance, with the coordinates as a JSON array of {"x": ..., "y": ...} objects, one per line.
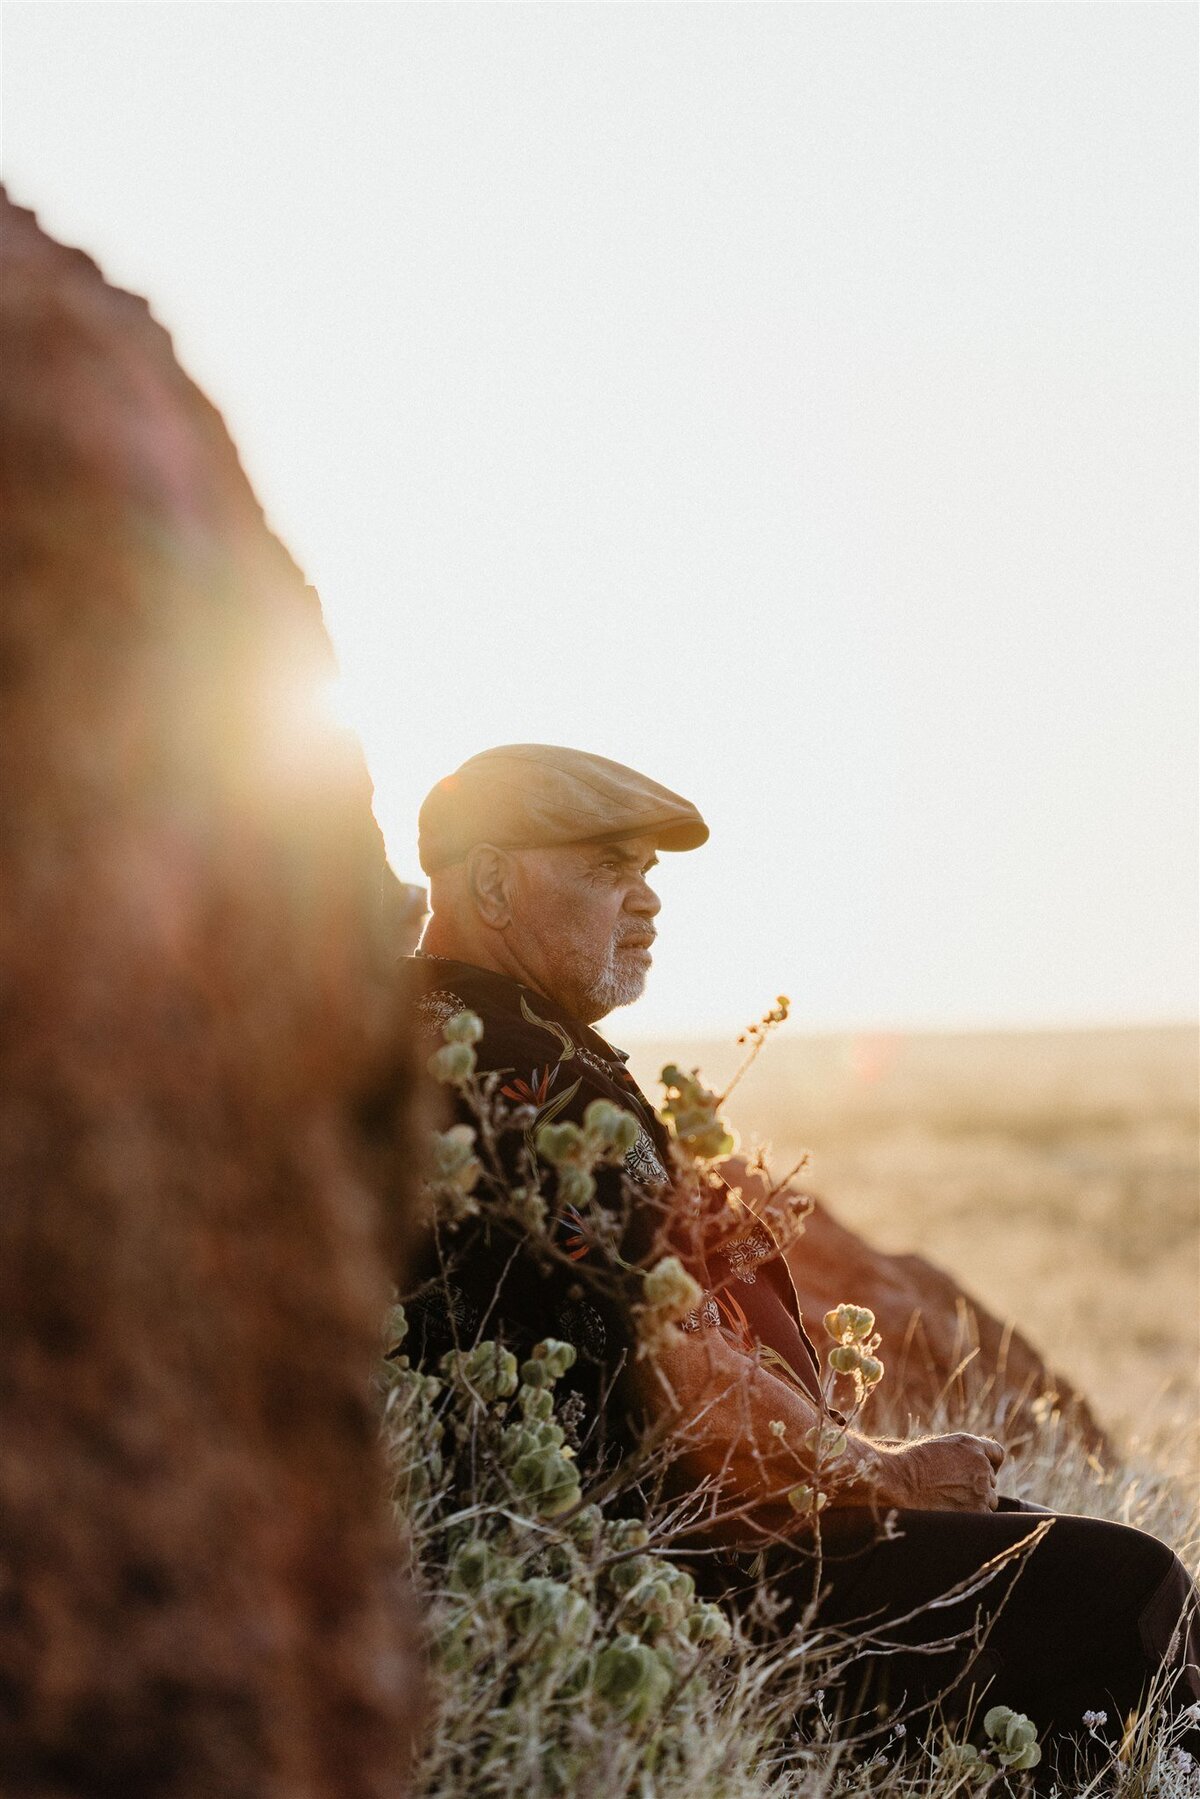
[{"x": 1060, "y": 1615}]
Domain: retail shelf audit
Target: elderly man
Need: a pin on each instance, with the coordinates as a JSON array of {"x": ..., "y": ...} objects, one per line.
[{"x": 543, "y": 922}]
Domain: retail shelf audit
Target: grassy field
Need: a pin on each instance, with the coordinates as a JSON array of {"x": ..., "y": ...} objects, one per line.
[{"x": 1055, "y": 1173}]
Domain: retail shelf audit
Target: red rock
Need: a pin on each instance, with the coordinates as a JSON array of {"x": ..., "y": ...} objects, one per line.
[
  {"x": 944, "y": 1351},
  {"x": 202, "y": 1593},
  {"x": 946, "y": 1355}
]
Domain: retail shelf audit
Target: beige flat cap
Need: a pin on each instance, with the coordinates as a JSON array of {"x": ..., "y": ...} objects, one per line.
[{"x": 532, "y": 795}]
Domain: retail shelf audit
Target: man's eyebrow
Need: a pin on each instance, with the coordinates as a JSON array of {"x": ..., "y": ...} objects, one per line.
[{"x": 634, "y": 858}]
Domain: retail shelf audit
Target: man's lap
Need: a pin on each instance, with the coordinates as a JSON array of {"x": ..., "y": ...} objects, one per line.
[{"x": 1073, "y": 1613}]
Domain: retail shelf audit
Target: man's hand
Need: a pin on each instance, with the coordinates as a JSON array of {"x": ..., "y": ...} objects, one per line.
[{"x": 956, "y": 1473}]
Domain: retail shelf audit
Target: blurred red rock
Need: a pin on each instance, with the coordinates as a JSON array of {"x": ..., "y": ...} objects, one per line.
[{"x": 201, "y": 1589}]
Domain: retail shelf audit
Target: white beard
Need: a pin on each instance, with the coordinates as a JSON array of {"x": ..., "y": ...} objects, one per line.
[{"x": 618, "y": 982}]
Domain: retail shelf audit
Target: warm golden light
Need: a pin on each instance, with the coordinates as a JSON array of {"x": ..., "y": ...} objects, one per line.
[{"x": 335, "y": 699}]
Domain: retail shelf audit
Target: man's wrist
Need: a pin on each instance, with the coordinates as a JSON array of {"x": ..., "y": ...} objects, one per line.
[{"x": 885, "y": 1473}]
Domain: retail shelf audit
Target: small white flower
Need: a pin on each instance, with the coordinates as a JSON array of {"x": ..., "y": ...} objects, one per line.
[
  {"x": 1182, "y": 1760},
  {"x": 1094, "y": 1720}
]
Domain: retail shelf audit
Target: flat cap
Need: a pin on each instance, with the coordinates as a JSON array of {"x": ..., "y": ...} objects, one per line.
[{"x": 533, "y": 795}]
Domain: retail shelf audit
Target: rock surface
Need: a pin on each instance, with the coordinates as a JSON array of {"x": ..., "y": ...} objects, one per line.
[
  {"x": 946, "y": 1355},
  {"x": 943, "y": 1349},
  {"x": 201, "y": 1591}
]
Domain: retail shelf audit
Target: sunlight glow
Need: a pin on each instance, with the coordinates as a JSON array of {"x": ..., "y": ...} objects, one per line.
[{"x": 337, "y": 699}]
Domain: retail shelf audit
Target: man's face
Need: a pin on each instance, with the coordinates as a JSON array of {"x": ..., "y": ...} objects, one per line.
[{"x": 583, "y": 922}]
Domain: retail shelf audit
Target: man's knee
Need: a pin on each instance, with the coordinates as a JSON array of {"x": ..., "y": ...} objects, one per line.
[
  {"x": 1167, "y": 1621},
  {"x": 1147, "y": 1587}
]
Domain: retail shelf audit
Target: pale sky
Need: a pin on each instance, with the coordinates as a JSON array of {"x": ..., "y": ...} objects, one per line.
[{"x": 797, "y": 402}]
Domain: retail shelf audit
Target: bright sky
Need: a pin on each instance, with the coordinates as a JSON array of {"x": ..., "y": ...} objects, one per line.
[{"x": 797, "y": 402}]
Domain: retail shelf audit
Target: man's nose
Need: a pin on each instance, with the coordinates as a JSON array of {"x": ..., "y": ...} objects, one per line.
[{"x": 643, "y": 899}]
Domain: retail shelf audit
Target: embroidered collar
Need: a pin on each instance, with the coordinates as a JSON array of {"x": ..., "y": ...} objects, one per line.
[{"x": 505, "y": 991}]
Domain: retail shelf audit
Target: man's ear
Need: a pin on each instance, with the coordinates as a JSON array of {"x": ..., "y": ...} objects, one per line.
[{"x": 490, "y": 884}]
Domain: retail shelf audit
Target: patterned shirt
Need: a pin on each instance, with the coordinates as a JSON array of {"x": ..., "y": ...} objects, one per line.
[{"x": 484, "y": 1277}]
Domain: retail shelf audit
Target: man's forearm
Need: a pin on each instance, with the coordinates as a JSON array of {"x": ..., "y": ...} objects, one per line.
[
  {"x": 752, "y": 1443},
  {"x": 752, "y": 1438}
]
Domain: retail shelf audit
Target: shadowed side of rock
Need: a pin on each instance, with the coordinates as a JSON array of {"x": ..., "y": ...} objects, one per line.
[
  {"x": 201, "y": 1589},
  {"x": 942, "y": 1347}
]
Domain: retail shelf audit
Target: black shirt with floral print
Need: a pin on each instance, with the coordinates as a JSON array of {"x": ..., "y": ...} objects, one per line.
[{"x": 486, "y": 1277}]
